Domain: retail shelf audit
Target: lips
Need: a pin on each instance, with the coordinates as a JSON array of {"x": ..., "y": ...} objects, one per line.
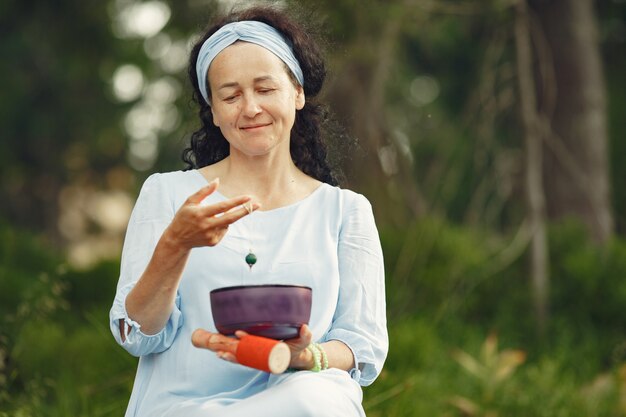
[{"x": 255, "y": 126}]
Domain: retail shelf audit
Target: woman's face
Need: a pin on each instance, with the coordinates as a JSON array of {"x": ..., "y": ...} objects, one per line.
[{"x": 253, "y": 99}]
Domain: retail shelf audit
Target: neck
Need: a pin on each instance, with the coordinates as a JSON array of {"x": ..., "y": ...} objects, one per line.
[
  {"x": 273, "y": 182},
  {"x": 259, "y": 174}
]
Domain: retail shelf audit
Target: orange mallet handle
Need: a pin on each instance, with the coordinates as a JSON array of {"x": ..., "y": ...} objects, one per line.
[{"x": 265, "y": 354}]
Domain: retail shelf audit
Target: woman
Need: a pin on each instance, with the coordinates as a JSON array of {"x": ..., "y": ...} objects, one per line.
[{"x": 260, "y": 185}]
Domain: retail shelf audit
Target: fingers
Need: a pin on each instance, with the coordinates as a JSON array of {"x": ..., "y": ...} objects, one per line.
[
  {"x": 232, "y": 216},
  {"x": 203, "y": 192},
  {"x": 300, "y": 356},
  {"x": 248, "y": 207},
  {"x": 201, "y": 338},
  {"x": 305, "y": 332},
  {"x": 303, "y": 340},
  {"x": 240, "y": 333},
  {"x": 305, "y": 335},
  {"x": 197, "y": 225},
  {"x": 227, "y": 356},
  {"x": 227, "y": 206},
  {"x": 223, "y": 208},
  {"x": 224, "y": 347},
  {"x": 214, "y": 341}
]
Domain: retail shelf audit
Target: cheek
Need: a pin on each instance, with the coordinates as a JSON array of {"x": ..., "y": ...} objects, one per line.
[{"x": 225, "y": 118}]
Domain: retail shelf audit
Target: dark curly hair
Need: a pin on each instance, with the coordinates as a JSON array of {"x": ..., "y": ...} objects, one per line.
[{"x": 312, "y": 123}]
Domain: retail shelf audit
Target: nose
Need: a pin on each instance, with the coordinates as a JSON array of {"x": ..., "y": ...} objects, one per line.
[{"x": 251, "y": 106}]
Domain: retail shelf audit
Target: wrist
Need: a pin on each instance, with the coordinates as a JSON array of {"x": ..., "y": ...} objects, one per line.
[
  {"x": 171, "y": 244},
  {"x": 312, "y": 358},
  {"x": 304, "y": 360}
]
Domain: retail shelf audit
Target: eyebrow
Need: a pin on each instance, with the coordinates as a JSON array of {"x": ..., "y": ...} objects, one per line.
[{"x": 256, "y": 80}]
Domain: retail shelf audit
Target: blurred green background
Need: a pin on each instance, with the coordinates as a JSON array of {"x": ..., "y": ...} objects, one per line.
[{"x": 491, "y": 146}]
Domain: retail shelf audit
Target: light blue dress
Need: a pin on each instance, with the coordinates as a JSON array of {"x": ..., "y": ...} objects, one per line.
[{"x": 327, "y": 241}]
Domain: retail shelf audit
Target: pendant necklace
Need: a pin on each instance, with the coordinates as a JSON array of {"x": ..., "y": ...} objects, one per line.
[{"x": 250, "y": 257}]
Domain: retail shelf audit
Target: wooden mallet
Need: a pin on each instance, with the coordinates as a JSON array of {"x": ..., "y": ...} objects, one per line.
[{"x": 265, "y": 354}]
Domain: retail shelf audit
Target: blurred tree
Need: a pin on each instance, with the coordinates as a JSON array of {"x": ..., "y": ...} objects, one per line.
[
  {"x": 364, "y": 57},
  {"x": 383, "y": 50},
  {"x": 574, "y": 113},
  {"x": 612, "y": 26},
  {"x": 57, "y": 125},
  {"x": 427, "y": 87},
  {"x": 572, "y": 124},
  {"x": 535, "y": 194},
  {"x": 69, "y": 128}
]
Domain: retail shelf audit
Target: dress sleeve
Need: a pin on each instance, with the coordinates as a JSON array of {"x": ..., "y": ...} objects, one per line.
[
  {"x": 152, "y": 213},
  {"x": 360, "y": 319}
]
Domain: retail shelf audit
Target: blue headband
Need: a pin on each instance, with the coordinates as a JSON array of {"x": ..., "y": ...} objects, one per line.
[{"x": 249, "y": 31}]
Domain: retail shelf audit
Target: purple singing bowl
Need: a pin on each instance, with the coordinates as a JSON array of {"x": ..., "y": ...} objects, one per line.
[{"x": 274, "y": 311}]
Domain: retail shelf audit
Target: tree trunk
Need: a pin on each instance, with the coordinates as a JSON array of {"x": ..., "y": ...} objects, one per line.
[
  {"x": 535, "y": 197},
  {"x": 358, "y": 92},
  {"x": 576, "y": 165}
]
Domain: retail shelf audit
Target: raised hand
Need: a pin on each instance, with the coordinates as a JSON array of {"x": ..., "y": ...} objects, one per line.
[
  {"x": 151, "y": 300},
  {"x": 196, "y": 225}
]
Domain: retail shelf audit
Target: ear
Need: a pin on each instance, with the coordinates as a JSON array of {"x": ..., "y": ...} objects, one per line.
[{"x": 300, "y": 99}]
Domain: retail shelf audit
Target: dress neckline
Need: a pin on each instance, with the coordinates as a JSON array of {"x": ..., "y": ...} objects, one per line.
[{"x": 310, "y": 196}]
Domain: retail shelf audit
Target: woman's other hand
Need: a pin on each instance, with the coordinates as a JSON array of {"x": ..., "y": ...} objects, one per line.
[
  {"x": 301, "y": 357},
  {"x": 225, "y": 347}
]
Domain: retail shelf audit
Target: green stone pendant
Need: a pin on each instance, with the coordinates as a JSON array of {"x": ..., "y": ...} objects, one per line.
[{"x": 250, "y": 259}]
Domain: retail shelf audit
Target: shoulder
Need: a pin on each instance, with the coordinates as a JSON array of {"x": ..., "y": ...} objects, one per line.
[
  {"x": 172, "y": 177},
  {"x": 347, "y": 200},
  {"x": 355, "y": 218},
  {"x": 166, "y": 189},
  {"x": 173, "y": 181}
]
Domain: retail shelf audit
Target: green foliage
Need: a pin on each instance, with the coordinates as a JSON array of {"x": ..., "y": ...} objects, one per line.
[
  {"x": 419, "y": 256},
  {"x": 24, "y": 261},
  {"x": 492, "y": 369},
  {"x": 57, "y": 356},
  {"x": 584, "y": 273},
  {"x": 452, "y": 296}
]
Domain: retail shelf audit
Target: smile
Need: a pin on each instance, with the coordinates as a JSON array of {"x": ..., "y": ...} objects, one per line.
[{"x": 255, "y": 126}]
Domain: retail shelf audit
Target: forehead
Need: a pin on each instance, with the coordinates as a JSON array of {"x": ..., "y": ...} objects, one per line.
[{"x": 244, "y": 61}]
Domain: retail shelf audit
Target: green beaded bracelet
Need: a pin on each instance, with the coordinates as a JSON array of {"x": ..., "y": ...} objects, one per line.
[
  {"x": 323, "y": 357},
  {"x": 317, "y": 365}
]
